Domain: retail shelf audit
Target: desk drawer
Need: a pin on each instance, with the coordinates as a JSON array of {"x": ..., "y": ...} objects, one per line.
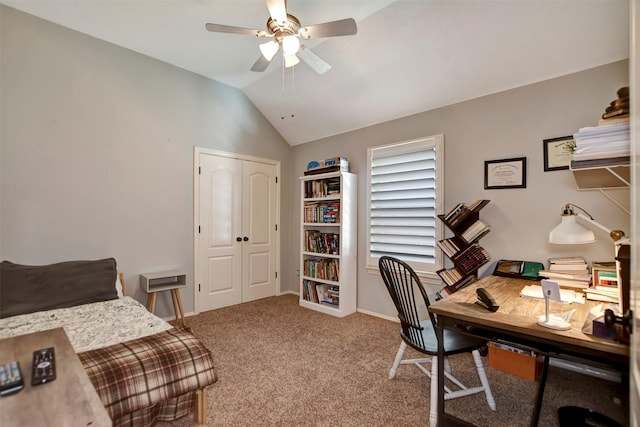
[{"x": 510, "y": 360}]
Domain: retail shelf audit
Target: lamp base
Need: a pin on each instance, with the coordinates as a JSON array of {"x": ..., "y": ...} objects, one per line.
[{"x": 559, "y": 325}]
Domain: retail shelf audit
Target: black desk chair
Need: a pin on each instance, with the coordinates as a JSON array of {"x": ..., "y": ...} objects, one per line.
[{"x": 401, "y": 282}]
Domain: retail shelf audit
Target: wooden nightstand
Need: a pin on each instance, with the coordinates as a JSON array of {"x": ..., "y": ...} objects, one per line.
[
  {"x": 173, "y": 280},
  {"x": 69, "y": 400}
]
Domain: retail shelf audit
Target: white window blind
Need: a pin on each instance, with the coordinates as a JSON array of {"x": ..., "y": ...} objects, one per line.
[{"x": 404, "y": 201}]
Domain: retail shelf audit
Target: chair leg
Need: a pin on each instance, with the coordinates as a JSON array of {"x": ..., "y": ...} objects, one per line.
[
  {"x": 433, "y": 409},
  {"x": 396, "y": 363},
  {"x": 483, "y": 379}
]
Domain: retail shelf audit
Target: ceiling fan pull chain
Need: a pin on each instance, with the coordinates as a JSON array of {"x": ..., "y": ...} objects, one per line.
[
  {"x": 283, "y": 97},
  {"x": 293, "y": 88}
]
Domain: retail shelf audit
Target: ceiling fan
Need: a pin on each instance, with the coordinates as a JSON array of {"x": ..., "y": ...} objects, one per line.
[{"x": 286, "y": 32}]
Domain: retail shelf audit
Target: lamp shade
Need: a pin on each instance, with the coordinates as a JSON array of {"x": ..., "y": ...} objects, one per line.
[
  {"x": 290, "y": 45},
  {"x": 269, "y": 49},
  {"x": 290, "y": 60},
  {"x": 569, "y": 232}
]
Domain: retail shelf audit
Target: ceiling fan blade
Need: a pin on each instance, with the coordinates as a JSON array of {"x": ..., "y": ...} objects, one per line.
[
  {"x": 218, "y": 28},
  {"x": 277, "y": 10},
  {"x": 316, "y": 63},
  {"x": 343, "y": 27},
  {"x": 261, "y": 64}
]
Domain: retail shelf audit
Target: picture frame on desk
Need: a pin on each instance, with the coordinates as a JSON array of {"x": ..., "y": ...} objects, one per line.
[
  {"x": 557, "y": 153},
  {"x": 505, "y": 173}
]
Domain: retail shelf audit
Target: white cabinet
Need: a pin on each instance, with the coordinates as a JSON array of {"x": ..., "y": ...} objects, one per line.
[{"x": 328, "y": 244}]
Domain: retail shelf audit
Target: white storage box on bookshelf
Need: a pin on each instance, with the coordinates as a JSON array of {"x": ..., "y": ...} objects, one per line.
[{"x": 328, "y": 243}]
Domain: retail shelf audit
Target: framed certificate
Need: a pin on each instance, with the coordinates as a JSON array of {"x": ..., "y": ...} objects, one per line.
[
  {"x": 558, "y": 153},
  {"x": 505, "y": 173}
]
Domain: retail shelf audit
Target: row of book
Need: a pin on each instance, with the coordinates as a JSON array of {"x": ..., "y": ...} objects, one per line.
[
  {"x": 472, "y": 257},
  {"x": 476, "y": 230},
  {"x": 326, "y": 269},
  {"x": 450, "y": 289},
  {"x": 322, "y": 188},
  {"x": 321, "y": 293},
  {"x": 450, "y": 276},
  {"x": 460, "y": 211},
  {"x": 324, "y": 213},
  {"x": 449, "y": 246},
  {"x": 322, "y": 243}
]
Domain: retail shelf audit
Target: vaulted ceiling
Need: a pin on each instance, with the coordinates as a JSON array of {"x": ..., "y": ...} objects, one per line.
[{"x": 407, "y": 56}]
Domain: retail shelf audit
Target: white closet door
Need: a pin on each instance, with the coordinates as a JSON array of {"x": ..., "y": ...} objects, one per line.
[
  {"x": 236, "y": 247},
  {"x": 220, "y": 254},
  {"x": 259, "y": 222}
]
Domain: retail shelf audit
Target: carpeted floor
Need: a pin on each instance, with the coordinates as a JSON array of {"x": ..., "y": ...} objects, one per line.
[{"x": 280, "y": 364}]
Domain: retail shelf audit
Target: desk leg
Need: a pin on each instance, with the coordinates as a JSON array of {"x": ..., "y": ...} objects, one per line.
[
  {"x": 540, "y": 394},
  {"x": 440, "y": 338}
]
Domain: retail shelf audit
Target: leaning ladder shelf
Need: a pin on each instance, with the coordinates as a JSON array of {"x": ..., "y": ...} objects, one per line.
[
  {"x": 328, "y": 243},
  {"x": 463, "y": 249}
]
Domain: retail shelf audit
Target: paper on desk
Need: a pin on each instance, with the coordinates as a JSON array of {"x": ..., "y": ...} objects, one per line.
[{"x": 567, "y": 296}]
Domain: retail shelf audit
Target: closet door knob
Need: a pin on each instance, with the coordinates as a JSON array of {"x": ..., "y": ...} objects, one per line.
[
  {"x": 238, "y": 239},
  {"x": 246, "y": 239}
]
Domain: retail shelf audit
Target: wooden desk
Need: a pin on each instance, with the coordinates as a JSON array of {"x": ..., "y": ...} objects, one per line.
[
  {"x": 69, "y": 400},
  {"x": 516, "y": 323}
]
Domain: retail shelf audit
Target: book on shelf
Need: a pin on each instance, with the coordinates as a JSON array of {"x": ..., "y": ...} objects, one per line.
[
  {"x": 474, "y": 231},
  {"x": 449, "y": 246},
  {"x": 472, "y": 257}
]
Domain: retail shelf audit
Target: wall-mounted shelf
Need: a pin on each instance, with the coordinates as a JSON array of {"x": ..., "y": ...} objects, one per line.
[{"x": 602, "y": 173}]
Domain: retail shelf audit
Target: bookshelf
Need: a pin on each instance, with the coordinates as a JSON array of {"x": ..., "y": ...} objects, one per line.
[
  {"x": 328, "y": 243},
  {"x": 602, "y": 174},
  {"x": 463, "y": 248}
]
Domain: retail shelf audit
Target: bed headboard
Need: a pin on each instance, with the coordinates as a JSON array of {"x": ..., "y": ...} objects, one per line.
[{"x": 26, "y": 288}]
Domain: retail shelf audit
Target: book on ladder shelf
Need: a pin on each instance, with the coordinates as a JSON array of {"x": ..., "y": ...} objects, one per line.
[{"x": 463, "y": 249}]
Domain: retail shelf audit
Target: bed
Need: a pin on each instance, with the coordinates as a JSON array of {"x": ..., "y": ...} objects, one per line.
[{"x": 144, "y": 369}]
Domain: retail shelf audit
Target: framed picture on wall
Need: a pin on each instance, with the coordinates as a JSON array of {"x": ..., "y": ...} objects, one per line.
[
  {"x": 505, "y": 173},
  {"x": 558, "y": 153}
]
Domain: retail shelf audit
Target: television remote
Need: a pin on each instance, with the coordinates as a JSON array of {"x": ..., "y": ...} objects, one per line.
[
  {"x": 10, "y": 379},
  {"x": 43, "y": 369}
]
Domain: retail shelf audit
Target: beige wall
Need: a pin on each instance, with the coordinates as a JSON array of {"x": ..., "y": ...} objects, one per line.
[
  {"x": 96, "y": 146},
  {"x": 504, "y": 125},
  {"x": 97, "y": 151}
]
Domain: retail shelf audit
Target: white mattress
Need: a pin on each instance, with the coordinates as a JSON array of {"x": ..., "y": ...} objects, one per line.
[{"x": 90, "y": 326}]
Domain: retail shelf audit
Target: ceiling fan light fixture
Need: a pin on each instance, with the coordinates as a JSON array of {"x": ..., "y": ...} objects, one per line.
[
  {"x": 290, "y": 45},
  {"x": 269, "y": 49},
  {"x": 290, "y": 61}
]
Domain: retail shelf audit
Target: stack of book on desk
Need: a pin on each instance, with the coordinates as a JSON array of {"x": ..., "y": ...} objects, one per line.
[
  {"x": 571, "y": 272},
  {"x": 605, "y": 282}
]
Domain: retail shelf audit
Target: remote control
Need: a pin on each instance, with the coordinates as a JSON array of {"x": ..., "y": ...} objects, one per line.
[
  {"x": 10, "y": 379},
  {"x": 43, "y": 369}
]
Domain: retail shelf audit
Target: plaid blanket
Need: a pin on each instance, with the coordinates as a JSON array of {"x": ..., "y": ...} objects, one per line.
[{"x": 150, "y": 379}]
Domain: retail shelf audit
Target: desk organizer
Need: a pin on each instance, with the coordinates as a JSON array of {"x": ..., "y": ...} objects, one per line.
[{"x": 510, "y": 360}]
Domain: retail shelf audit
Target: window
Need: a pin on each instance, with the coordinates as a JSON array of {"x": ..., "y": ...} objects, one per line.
[{"x": 405, "y": 185}]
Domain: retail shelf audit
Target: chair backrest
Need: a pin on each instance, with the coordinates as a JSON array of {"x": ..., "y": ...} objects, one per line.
[{"x": 401, "y": 282}]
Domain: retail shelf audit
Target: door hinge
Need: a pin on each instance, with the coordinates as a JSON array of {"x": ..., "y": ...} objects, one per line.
[
  {"x": 276, "y": 274},
  {"x": 199, "y": 170},
  {"x": 198, "y": 229},
  {"x": 198, "y": 287},
  {"x": 276, "y": 227},
  {"x": 276, "y": 179}
]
